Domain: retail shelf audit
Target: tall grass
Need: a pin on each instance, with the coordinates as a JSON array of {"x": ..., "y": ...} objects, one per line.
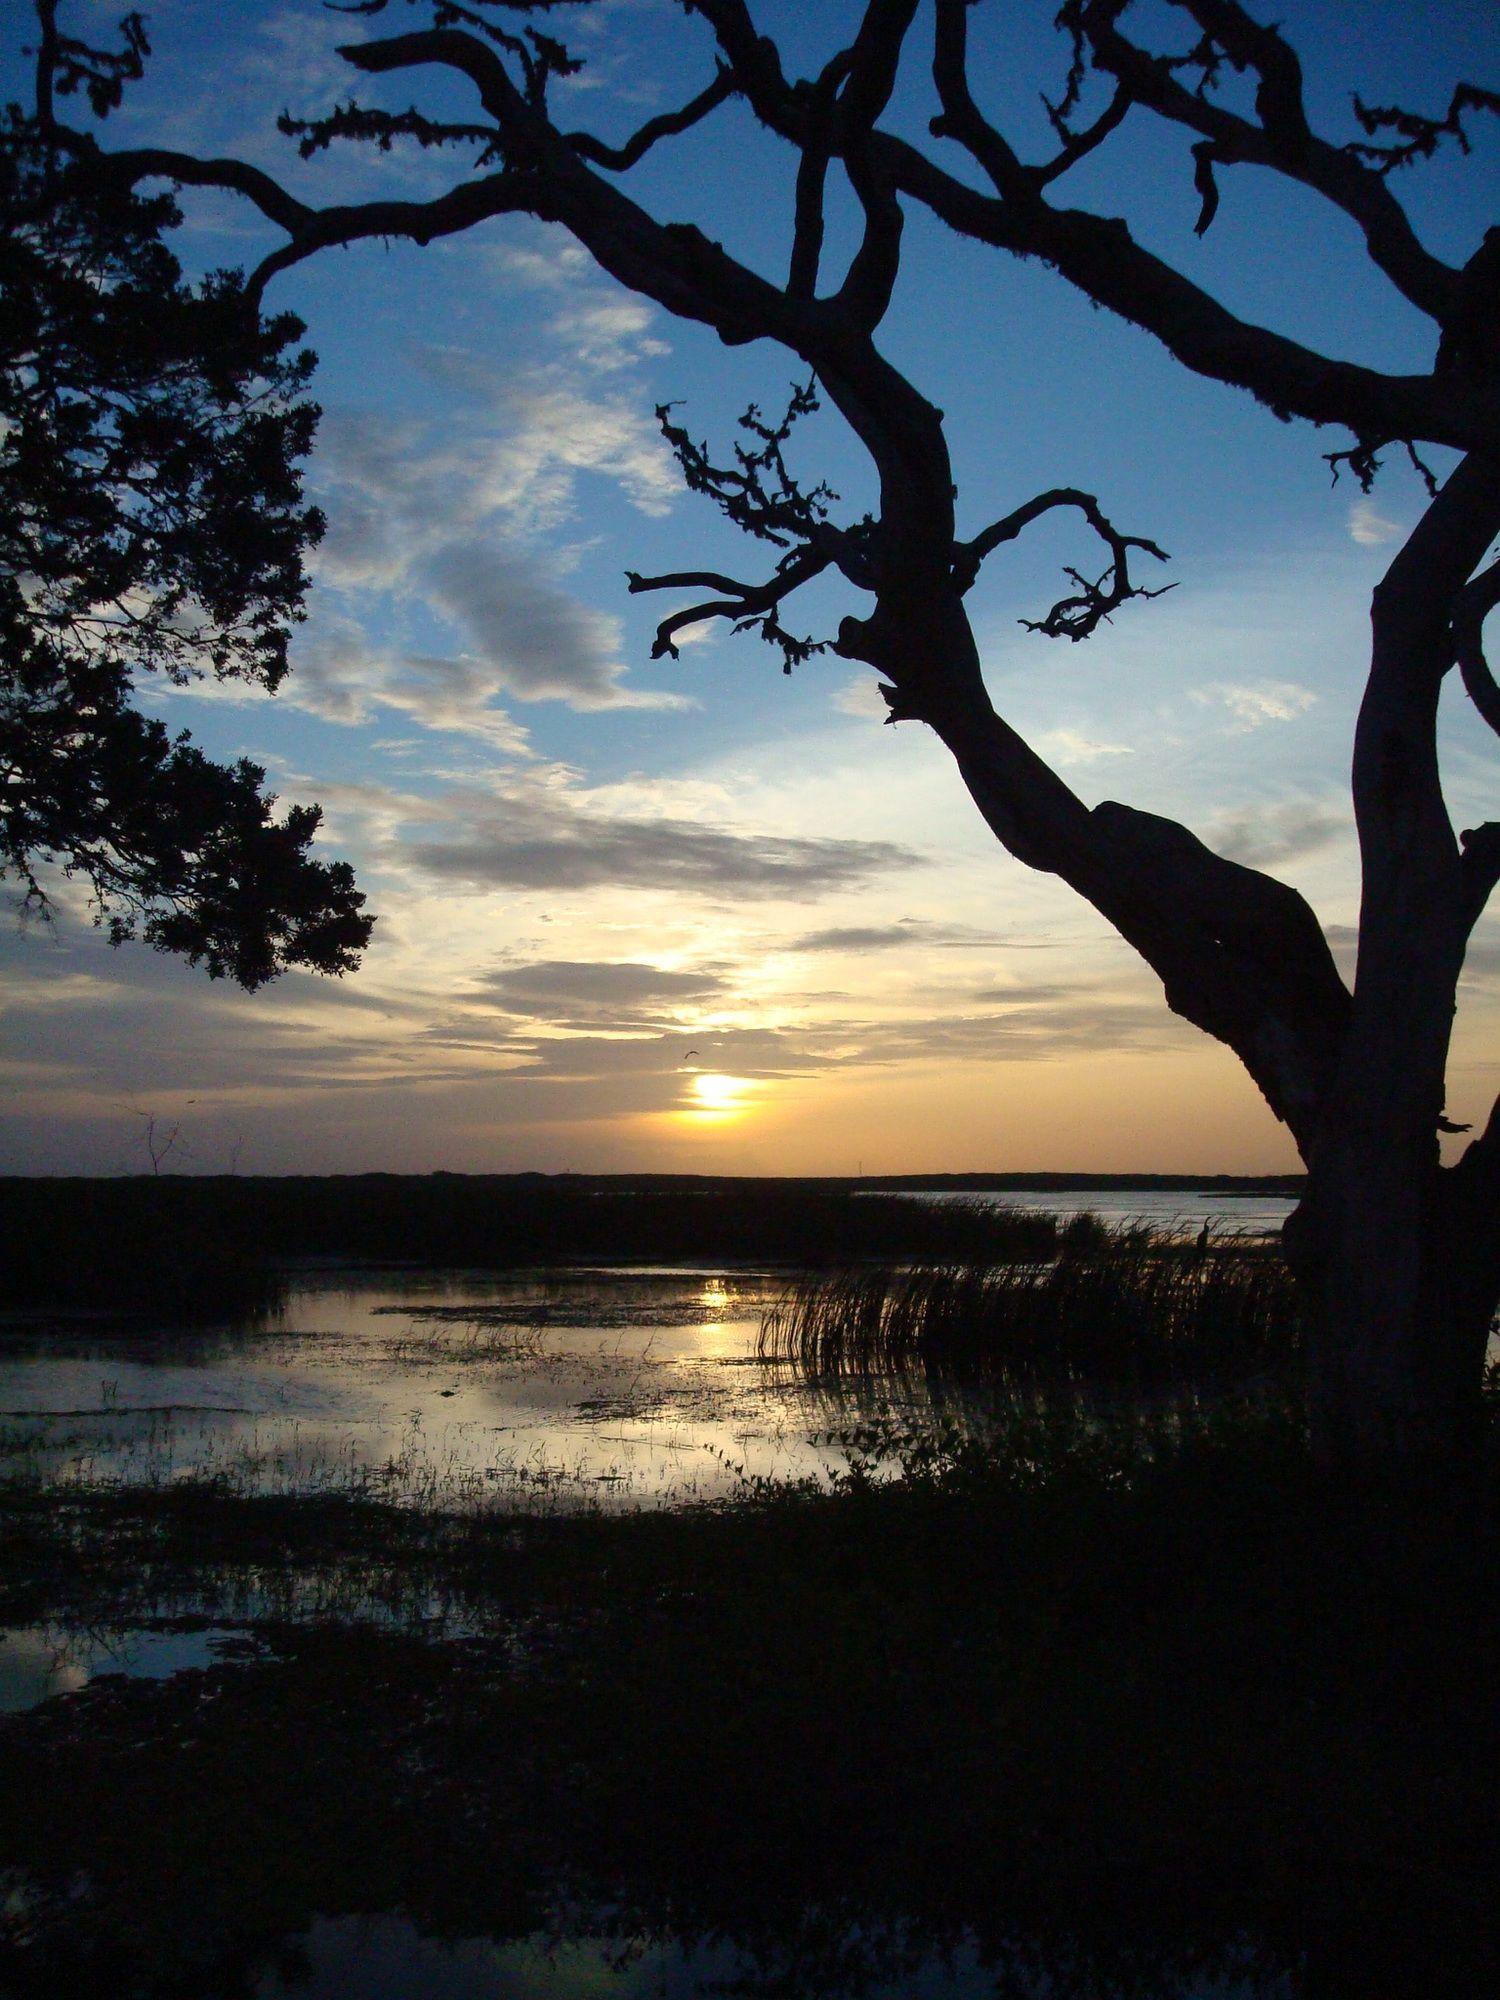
[{"x": 1127, "y": 1308}]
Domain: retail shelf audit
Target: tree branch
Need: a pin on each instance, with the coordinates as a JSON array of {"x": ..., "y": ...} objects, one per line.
[
  {"x": 1479, "y": 864},
  {"x": 1282, "y": 140},
  {"x": 1100, "y": 256},
  {"x": 748, "y": 604},
  {"x": 812, "y": 182},
  {"x": 1473, "y": 605},
  {"x": 1073, "y": 617},
  {"x": 873, "y": 61},
  {"x": 665, "y": 125},
  {"x": 1078, "y": 145},
  {"x": 961, "y": 119}
]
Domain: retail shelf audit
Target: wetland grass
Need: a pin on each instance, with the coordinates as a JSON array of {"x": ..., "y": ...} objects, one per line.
[{"x": 1115, "y": 1308}]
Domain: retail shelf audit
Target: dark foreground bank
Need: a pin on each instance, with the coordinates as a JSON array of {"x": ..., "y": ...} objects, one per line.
[{"x": 1143, "y": 1708}]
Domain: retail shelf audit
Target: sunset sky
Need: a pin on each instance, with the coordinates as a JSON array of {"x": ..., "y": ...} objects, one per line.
[{"x": 697, "y": 916}]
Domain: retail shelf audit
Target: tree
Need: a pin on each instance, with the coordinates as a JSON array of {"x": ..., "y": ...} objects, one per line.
[
  {"x": 150, "y": 439},
  {"x": 1399, "y": 1257}
]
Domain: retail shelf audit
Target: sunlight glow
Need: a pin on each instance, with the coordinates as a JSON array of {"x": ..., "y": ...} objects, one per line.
[{"x": 719, "y": 1094}]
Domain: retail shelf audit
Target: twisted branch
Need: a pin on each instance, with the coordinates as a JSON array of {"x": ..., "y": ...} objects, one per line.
[
  {"x": 1072, "y": 617},
  {"x": 750, "y": 605},
  {"x": 666, "y": 125}
]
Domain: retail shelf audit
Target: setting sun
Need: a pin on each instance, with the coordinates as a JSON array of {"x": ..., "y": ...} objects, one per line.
[{"x": 719, "y": 1093}]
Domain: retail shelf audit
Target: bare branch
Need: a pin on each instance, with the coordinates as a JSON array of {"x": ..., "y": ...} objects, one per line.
[
  {"x": 759, "y": 492},
  {"x": 1072, "y": 617},
  {"x": 1480, "y": 862},
  {"x": 665, "y": 125},
  {"x": 812, "y": 179},
  {"x": 1099, "y": 255},
  {"x": 961, "y": 118},
  {"x": 748, "y": 604},
  {"x": 1078, "y": 145},
  {"x": 1363, "y": 461},
  {"x": 503, "y": 193},
  {"x": 1420, "y": 136},
  {"x": 873, "y": 61},
  {"x": 1281, "y": 139}
]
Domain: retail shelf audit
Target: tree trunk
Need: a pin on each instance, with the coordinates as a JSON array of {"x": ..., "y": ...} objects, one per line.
[
  {"x": 1397, "y": 1255},
  {"x": 1400, "y": 1295},
  {"x": 1399, "y": 1258}
]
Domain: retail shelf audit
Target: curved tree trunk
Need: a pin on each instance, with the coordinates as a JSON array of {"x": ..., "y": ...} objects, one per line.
[{"x": 1399, "y": 1258}]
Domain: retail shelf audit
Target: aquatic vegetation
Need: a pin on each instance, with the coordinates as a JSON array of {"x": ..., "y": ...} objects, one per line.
[{"x": 1124, "y": 1308}]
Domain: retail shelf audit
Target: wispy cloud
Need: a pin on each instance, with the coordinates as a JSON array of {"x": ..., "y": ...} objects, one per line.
[
  {"x": 907, "y": 933},
  {"x": 448, "y": 525},
  {"x": 1369, "y": 527},
  {"x": 1261, "y": 836},
  {"x": 1071, "y": 746},
  {"x": 860, "y": 697},
  {"x": 584, "y": 851},
  {"x": 1253, "y": 703}
]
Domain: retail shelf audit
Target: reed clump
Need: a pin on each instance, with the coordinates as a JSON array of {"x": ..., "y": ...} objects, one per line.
[{"x": 1122, "y": 1307}]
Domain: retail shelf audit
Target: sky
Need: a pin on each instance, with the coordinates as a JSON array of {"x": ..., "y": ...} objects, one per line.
[{"x": 697, "y": 916}]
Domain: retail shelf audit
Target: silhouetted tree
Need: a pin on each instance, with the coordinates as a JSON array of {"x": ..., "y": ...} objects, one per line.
[
  {"x": 151, "y": 522},
  {"x": 1400, "y": 1257}
]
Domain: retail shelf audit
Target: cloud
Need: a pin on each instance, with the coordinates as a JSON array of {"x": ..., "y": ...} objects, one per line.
[
  {"x": 448, "y": 525},
  {"x": 1252, "y": 703},
  {"x": 588, "y": 851},
  {"x": 1261, "y": 836},
  {"x": 599, "y": 992},
  {"x": 591, "y": 979},
  {"x": 342, "y": 678},
  {"x": 861, "y": 697},
  {"x": 907, "y": 931},
  {"x": 1369, "y": 527},
  {"x": 529, "y": 432},
  {"x": 608, "y": 333},
  {"x": 1069, "y": 746},
  {"x": 544, "y": 259},
  {"x": 529, "y": 637}
]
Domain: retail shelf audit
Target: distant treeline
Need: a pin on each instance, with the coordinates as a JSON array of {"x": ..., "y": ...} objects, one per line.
[{"x": 191, "y": 1240}]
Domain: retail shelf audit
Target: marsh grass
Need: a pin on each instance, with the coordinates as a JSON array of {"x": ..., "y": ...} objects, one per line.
[
  {"x": 470, "y": 1339},
  {"x": 1123, "y": 1308}
]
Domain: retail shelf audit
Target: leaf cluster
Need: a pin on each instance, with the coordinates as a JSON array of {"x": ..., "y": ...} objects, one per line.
[{"x": 151, "y": 438}]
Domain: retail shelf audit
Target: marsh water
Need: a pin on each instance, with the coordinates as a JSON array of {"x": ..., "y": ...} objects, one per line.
[
  {"x": 559, "y": 1390},
  {"x": 615, "y": 1387}
]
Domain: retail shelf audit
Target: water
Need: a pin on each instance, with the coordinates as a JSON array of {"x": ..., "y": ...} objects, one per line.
[
  {"x": 600, "y": 1387},
  {"x": 570, "y": 1389},
  {"x": 388, "y": 1956},
  {"x": 40, "y": 1661},
  {"x": 610, "y": 1389},
  {"x": 1169, "y": 1210}
]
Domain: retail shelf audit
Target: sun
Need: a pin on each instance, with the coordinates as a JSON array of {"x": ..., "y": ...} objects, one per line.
[{"x": 721, "y": 1094}]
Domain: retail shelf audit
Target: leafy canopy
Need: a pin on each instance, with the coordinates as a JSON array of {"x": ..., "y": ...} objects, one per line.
[{"x": 151, "y": 523}]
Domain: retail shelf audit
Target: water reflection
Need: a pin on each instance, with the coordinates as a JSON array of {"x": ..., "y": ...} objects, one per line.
[
  {"x": 390, "y": 1956},
  {"x": 40, "y": 1661},
  {"x": 623, "y": 1388}
]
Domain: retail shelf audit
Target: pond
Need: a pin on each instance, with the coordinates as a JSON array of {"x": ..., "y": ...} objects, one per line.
[
  {"x": 606, "y": 1387},
  {"x": 636, "y": 1388}
]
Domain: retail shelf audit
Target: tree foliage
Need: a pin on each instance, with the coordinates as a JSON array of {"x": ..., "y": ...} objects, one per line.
[{"x": 152, "y": 523}]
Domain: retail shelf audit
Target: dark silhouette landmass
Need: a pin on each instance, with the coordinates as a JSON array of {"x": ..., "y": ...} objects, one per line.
[{"x": 204, "y": 1242}]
